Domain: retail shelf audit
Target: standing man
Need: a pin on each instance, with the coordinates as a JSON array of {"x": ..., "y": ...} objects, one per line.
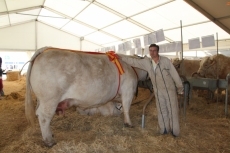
[{"x": 166, "y": 84}]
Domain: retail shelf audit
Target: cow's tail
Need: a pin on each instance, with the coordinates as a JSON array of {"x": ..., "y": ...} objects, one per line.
[
  {"x": 29, "y": 104},
  {"x": 23, "y": 67}
]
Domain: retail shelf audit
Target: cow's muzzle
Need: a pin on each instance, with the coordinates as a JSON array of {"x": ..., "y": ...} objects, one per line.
[{"x": 196, "y": 74}]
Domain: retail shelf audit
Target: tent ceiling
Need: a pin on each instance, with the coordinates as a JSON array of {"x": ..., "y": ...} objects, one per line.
[
  {"x": 215, "y": 10},
  {"x": 97, "y": 16},
  {"x": 107, "y": 22},
  {"x": 16, "y": 18},
  {"x": 20, "y": 4}
]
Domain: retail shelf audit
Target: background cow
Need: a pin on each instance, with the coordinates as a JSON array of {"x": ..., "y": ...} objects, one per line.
[
  {"x": 63, "y": 78},
  {"x": 208, "y": 68},
  {"x": 188, "y": 67}
]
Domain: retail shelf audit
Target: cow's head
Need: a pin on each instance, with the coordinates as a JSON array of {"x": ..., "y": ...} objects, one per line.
[
  {"x": 176, "y": 62},
  {"x": 207, "y": 67}
]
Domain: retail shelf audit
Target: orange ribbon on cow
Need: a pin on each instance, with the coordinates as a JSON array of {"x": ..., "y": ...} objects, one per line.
[{"x": 114, "y": 58}]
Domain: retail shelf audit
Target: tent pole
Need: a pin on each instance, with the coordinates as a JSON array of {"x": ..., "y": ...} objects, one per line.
[
  {"x": 80, "y": 45},
  {"x": 217, "y": 52},
  {"x": 81, "y": 39},
  {"x": 36, "y": 39},
  {"x": 217, "y": 71},
  {"x": 182, "y": 62},
  {"x": 181, "y": 39}
]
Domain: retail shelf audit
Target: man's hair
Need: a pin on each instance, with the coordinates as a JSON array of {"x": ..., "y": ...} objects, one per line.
[{"x": 154, "y": 45}]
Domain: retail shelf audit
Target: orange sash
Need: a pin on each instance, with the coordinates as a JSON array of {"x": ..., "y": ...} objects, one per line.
[{"x": 114, "y": 58}]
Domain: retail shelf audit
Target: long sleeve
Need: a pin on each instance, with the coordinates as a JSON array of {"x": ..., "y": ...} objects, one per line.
[
  {"x": 176, "y": 78},
  {"x": 135, "y": 62}
]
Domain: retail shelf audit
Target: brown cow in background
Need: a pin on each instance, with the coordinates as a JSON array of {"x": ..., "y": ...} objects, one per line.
[
  {"x": 208, "y": 68},
  {"x": 188, "y": 67}
]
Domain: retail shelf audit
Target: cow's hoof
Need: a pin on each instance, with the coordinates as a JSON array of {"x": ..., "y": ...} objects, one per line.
[
  {"x": 128, "y": 125},
  {"x": 50, "y": 144}
]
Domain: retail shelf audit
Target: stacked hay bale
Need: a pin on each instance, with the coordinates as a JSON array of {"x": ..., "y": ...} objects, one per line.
[{"x": 12, "y": 75}]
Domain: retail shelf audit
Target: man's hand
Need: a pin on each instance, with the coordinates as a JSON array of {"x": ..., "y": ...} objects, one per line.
[{"x": 181, "y": 92}]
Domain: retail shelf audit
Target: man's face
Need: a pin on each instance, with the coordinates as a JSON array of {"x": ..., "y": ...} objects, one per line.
[{"x": 153, "y": 52}]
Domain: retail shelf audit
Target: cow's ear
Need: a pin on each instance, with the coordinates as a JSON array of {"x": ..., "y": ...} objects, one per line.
[{"x": 212, "y": 61}]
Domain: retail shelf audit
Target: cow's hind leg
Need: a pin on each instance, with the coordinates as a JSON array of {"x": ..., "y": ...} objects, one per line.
[
  {"x": 45, "y": 113},
  {"x": 126, "y": 103}
]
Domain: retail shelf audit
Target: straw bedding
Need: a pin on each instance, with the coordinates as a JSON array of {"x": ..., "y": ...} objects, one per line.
[{"x": 205, "y": 129}]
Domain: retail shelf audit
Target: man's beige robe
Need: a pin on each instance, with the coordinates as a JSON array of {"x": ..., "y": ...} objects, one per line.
[{"x": 166, "y": 83}]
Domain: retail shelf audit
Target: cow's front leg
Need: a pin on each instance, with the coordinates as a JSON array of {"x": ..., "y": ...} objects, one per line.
[
  {"x": 126, "y": 103},
  {"x": 45, "y": 113}
]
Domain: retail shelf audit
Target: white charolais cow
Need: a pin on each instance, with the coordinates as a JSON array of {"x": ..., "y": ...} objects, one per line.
[{"x": 62, "y": 78}]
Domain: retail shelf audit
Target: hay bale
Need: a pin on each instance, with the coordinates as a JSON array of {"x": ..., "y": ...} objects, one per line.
[{"x": 12, "y": 75}]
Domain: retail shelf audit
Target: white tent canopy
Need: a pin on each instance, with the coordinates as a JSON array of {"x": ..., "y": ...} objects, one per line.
[{"x": 91, "y": 24}]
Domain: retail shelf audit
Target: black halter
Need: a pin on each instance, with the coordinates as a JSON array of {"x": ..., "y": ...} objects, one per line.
[{"x": 119, "y": 108}]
